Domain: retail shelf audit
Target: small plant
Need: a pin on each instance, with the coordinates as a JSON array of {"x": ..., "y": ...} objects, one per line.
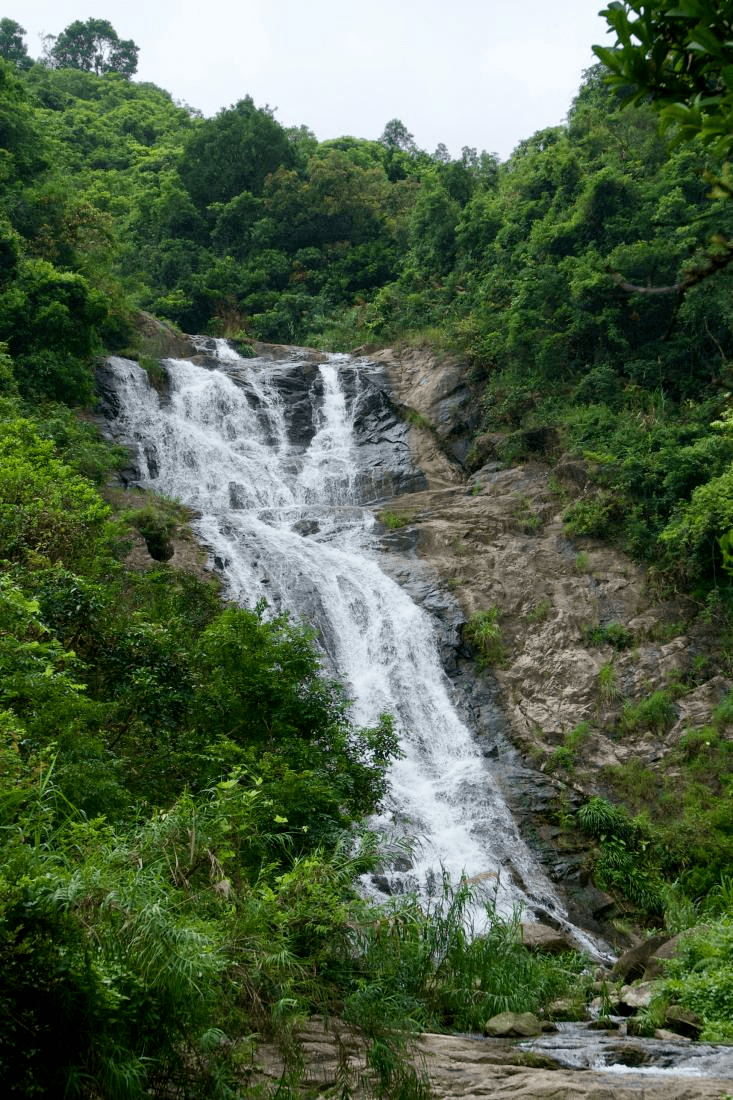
[
  {"x": 484, "y": 633},
  {"x": 393, "y": 521},
  {"x": 562, "y": 759},
  {"x": 723, "y": 713},
  {"x": 417, "y": 419},
  {"x": 616, "y": 635},
  {"x": 156, "y": 520},
  {"x": 608, "y": 689},
  {"x": 476, "y": 488},
  {"x": 564, "y": 755},
  {"x": 582, "y": 562},
  {"x": 655, "y": 714},
  {"x": 540, "y": 612},
  {"x": 529, "y": 521},
  {"x": 557, "y": 490},
  {"x": 155, "y": 371}
]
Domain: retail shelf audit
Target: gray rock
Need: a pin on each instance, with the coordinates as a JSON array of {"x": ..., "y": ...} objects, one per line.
[
  {"x": 542, "y": 938},
  {"x": 634, "y": 997},
  {"x": 683, "y": 1021},
  {"x": 632, "y": 964},
  {"x": 513, "y": 1025}
]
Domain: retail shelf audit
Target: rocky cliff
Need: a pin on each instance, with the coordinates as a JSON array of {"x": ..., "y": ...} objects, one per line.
[{"x": 583, "y": 638}]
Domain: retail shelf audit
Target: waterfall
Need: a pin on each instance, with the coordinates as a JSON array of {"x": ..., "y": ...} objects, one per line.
[{"x": 287, "y": 522}]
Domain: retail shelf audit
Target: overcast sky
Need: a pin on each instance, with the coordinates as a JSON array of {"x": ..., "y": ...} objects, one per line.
[{"x": 482, "y": 73}]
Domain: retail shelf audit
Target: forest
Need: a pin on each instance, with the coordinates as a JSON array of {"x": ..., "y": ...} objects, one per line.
[{"x": 182, "y": 791}]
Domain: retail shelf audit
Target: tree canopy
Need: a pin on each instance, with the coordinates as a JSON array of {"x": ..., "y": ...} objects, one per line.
[
  {"x": 12, "y": 45},
  {"x": 679, "y": 55},
  {"x": 95, "y": 47}
]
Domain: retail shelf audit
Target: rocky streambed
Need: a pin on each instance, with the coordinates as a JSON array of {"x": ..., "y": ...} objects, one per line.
[{"x": 569, "y": 1065}]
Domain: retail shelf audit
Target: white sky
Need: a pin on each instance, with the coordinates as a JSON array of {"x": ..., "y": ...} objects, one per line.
[{"x": 482, "y": 73}]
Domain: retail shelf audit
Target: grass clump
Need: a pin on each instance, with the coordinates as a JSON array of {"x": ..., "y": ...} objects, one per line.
[
  {"x": 616, "y": 635},
  {"x": 623, "y": 863},
  {"x": 701, "y": 978},
  {"x": 655, "y": 714},
  {"x": 483, "y": 632},
  {"x": 564, "y": 756},
  {"x": 539, "y": 612},
  {"x": 608, "y": 689},
  {"x": 582, "y": 562},
  {"x": 393, "y": 521},
  {"x": 452, "y": 962},
  {"x": 156, "y": 519}
]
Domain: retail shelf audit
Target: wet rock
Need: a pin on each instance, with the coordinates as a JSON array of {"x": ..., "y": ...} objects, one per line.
[
  {"x": 513, "y": 1025},
  {"x": 670, "y": 1036},
  {"x": 566, "y": 1009},
  {"x": 628, "y": 1054},
  {"x": 438, "y": 392},
  {"x": 307, "y": 527},
  {"x": 632, "y": 964},
  {"x": 683, "y": 1021},
  {"x": 590, "y": 907},
  {"x": 543, "y": 939}
]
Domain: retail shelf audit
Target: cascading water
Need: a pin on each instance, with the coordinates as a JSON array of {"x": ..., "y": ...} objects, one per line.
[{"x": 287, "y": 523}]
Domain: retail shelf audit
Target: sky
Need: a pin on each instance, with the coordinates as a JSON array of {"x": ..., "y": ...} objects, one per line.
[{"x": 479, "y": 73}]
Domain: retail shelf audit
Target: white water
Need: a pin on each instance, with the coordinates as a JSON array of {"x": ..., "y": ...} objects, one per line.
[{"x": 285, "y": 525}]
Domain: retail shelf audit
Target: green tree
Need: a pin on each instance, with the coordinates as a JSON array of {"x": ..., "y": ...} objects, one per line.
[
  {"x": 12, "y": 46},
  {"x": 263, "y": 702},
  {"x": 678, "y": 54},
  {"x": 234, "y": 152},
  {"x": 433, "y": 228},
  {"x": 95, "y": 47}
]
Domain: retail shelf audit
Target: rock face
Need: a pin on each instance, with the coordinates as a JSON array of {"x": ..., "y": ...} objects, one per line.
[{"x": 581, "y": 634}]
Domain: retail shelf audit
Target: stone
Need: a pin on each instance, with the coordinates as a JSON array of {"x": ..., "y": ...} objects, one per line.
[
  {"x": 670, "y": 1036},
  {"x": 632, "y": 964},
  {"x": 634, "y": 997},
  {"x": 683, "y": 1021},
  {"x": 566, "y": 1009},
  {"x": 513, "y": 1025},
  {"x": 542, "y": 938}
]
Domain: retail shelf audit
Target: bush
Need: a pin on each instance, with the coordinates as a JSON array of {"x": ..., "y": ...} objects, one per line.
[
  {"x": 655, "y": 714},
  {"x": 483, "y": 632},
  {"x": 46, "y": 510}
]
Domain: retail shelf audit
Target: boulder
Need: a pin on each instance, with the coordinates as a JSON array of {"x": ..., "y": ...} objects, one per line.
[
  {"x": 632, "y": 964},
  {"x": 635, "y": 997},
  {"x": 566, "y": 1008},
  {"x": 540, "y": 937},
  {"x": 670, "y": 1036},
  {"x": 683, "y": 1021},
  {"x": 513, "y": 1025}
]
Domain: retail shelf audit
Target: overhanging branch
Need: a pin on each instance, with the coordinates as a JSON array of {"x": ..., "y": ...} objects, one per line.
[{"x": 712, "y": 264}]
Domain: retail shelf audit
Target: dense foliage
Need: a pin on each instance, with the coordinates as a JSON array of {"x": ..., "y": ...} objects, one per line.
[{"x": 181, "y": 789}]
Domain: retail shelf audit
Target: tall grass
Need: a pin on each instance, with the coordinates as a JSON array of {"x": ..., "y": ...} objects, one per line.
[{"x": 433, "y": 969}]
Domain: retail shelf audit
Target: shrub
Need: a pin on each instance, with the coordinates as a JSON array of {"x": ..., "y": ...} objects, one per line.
[
  {"x": 46, "y": 510},
  {"x": 655, "y": 714},
  {"x": 484, "y": 633},
  {"x": 616, "y": 635}
]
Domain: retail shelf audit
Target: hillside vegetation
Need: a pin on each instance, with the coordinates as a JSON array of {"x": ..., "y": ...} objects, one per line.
[{"x": 182, "y": 791}]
